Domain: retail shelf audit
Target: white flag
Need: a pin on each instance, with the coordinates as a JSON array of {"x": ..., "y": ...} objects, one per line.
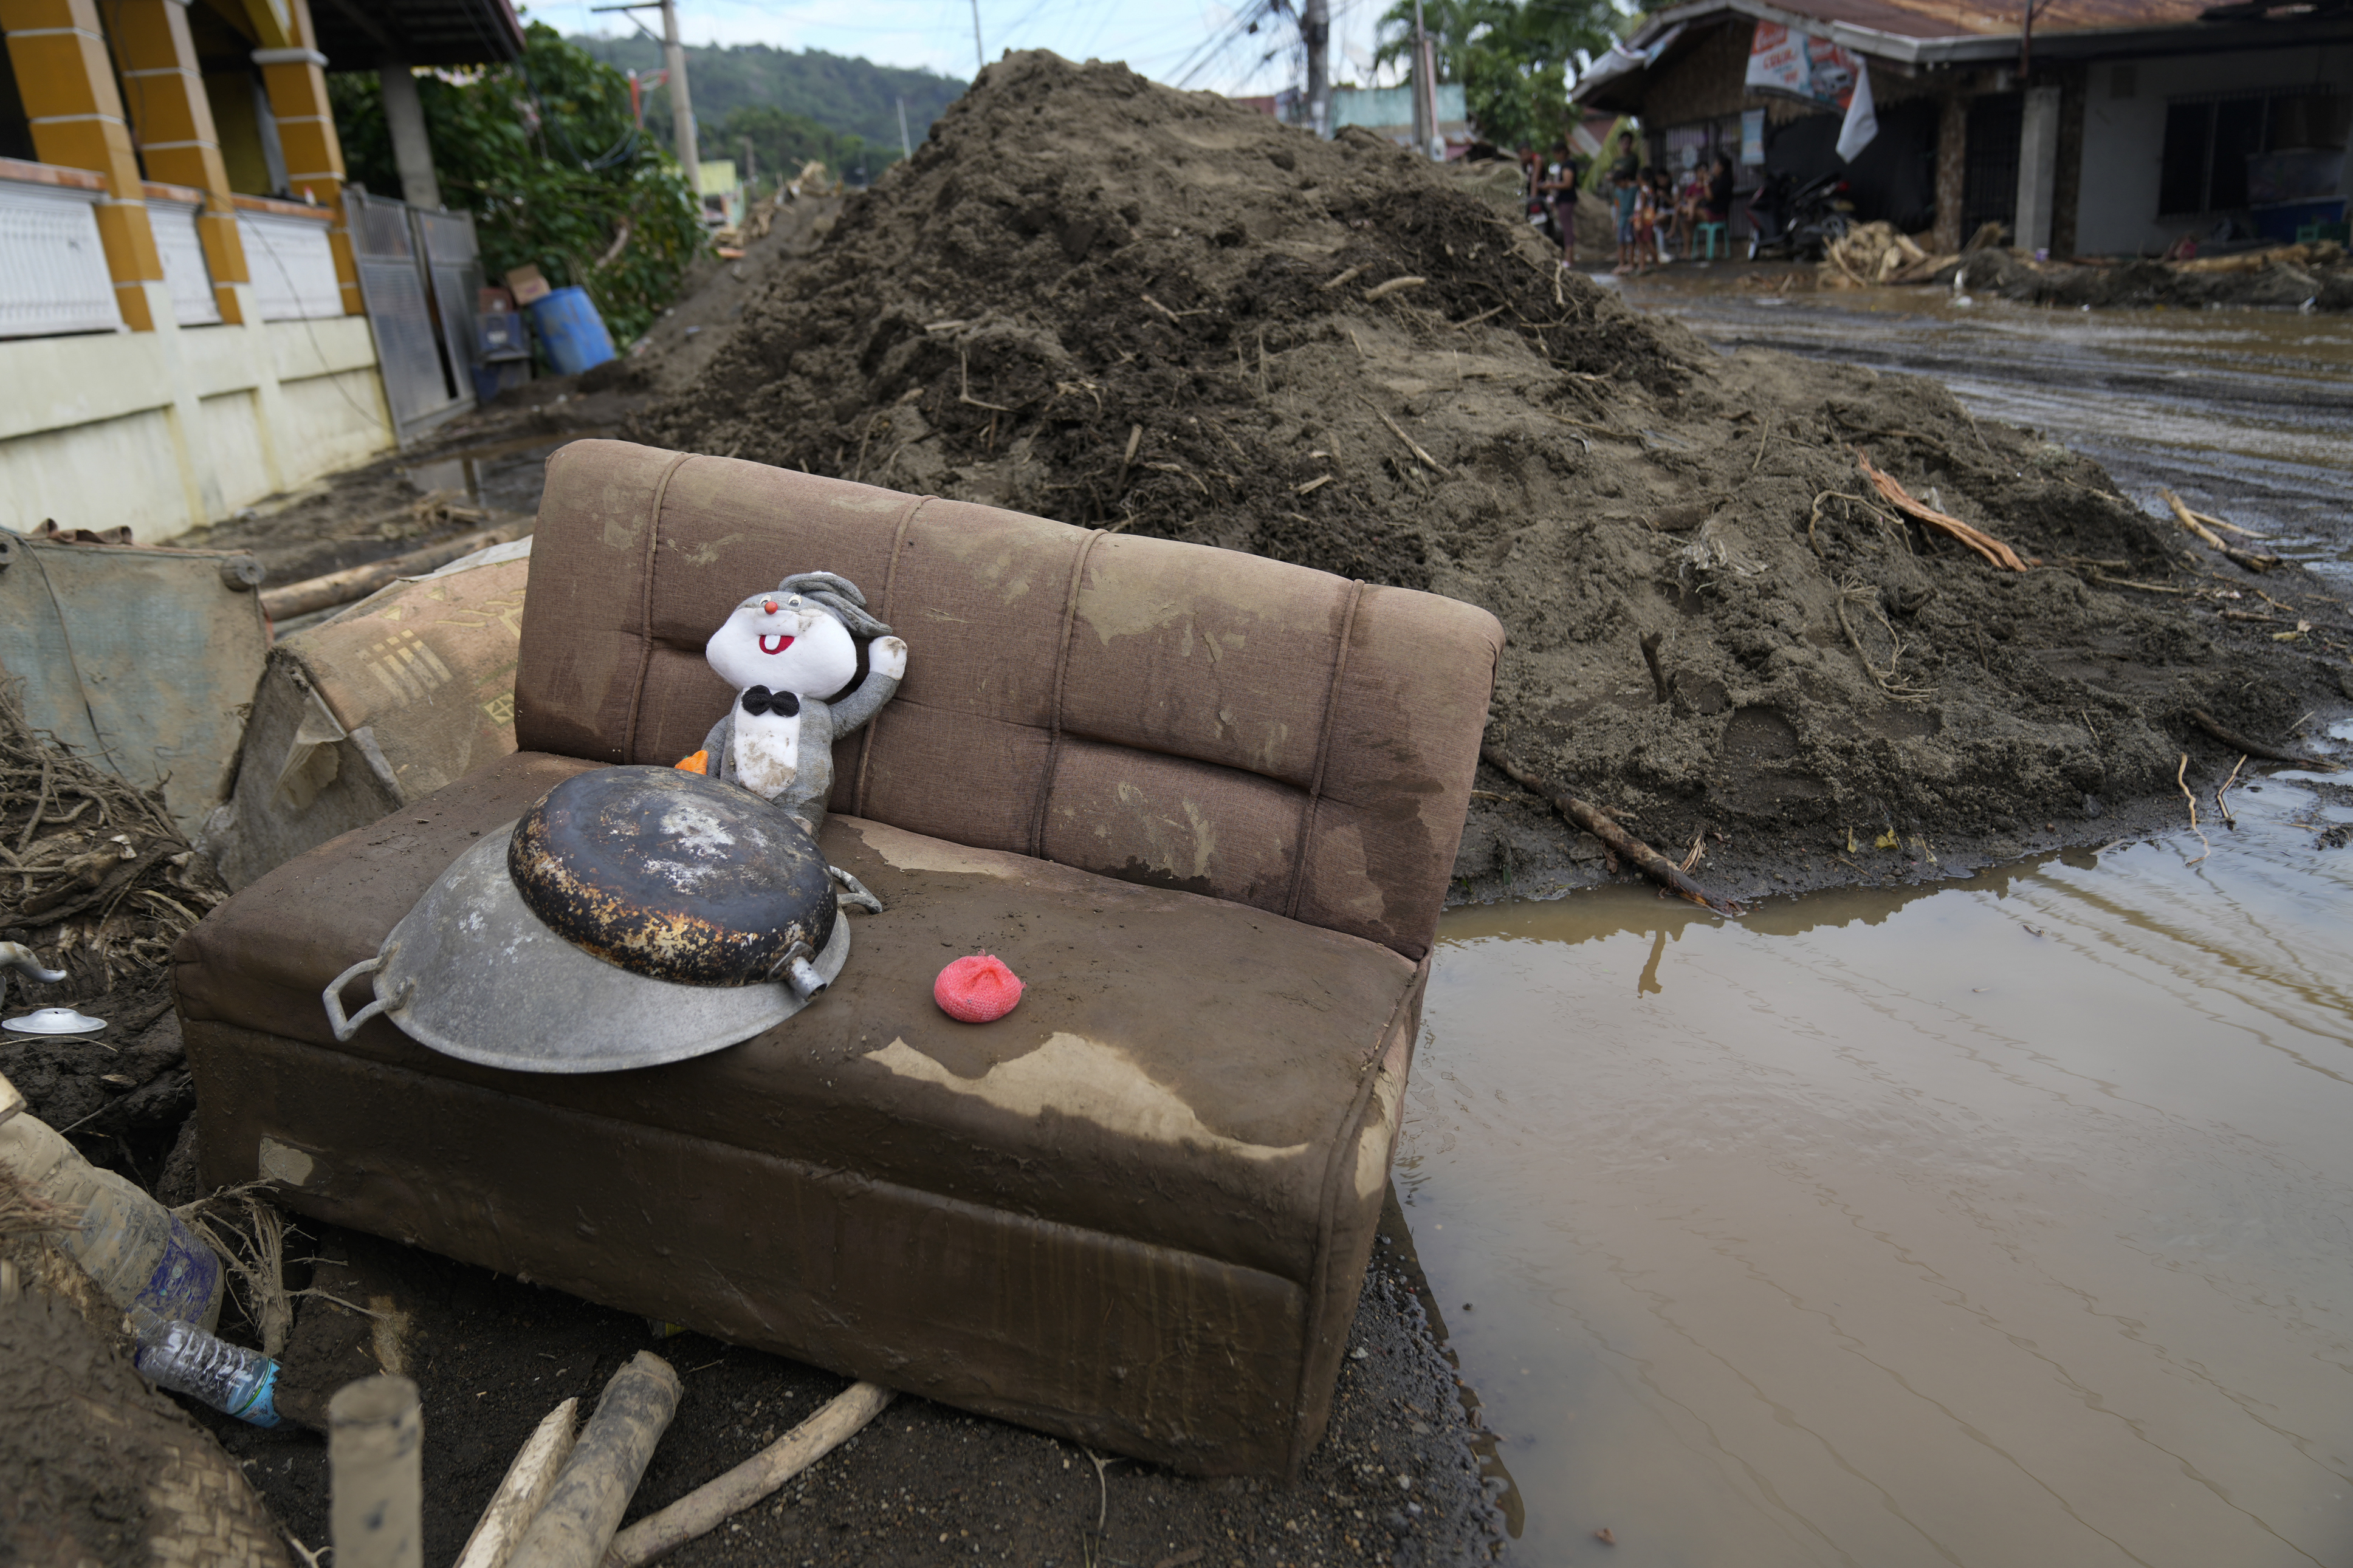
[{"x": 1862, "y": 122}]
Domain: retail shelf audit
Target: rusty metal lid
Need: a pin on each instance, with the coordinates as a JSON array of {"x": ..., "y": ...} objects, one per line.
[{"x": 674, "y": 876}]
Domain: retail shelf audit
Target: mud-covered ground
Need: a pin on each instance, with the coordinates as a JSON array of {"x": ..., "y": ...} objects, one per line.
[
  {"x": 1403, "y": 1476},
  {"x": 1395, "y": 1481},
  {"x": 2317, "y": 277},
  {"x": 1101, "y": 300}
]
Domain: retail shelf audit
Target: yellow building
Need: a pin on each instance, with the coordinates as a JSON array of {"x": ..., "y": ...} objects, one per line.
[{"x": 183, "y": 328}]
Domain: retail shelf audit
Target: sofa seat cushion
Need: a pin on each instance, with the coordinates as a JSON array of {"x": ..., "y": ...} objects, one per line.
[{"x": 1181, "y": 1070}]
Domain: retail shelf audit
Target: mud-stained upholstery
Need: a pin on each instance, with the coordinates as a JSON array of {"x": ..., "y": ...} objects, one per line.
[{"x": 1203, "y": 803}]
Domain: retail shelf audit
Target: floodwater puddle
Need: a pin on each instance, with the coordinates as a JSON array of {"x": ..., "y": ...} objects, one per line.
[
  {"x": 506, "y": 476},
  {"x": 2001, "y": 1224}
]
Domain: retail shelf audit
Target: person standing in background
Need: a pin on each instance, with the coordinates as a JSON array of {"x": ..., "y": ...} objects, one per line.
[
  {"x": 1625, "y": 180},
  {"x": 1646, "y": 221},
  {"x": 1558, "y": 187},
  {"x": 1666, "y": 221},
  {"x": 1715, "y": 206}
]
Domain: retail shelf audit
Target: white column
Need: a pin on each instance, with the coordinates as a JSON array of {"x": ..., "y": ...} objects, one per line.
[
  {"x": 681, "y": 104},
  {"x": 2038, "y": 169},
  {"x": 412, "y": 149}
]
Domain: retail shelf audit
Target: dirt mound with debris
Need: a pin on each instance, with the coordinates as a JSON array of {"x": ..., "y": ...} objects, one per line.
[
  {"x": 2317, "y": 277},
  {"x": 1103, "y": 300}
]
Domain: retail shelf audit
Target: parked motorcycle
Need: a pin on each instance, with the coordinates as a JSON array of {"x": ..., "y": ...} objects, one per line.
[{"x": 1797, "y": 221}]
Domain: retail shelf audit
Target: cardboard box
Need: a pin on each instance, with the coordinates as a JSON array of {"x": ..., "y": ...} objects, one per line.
[
  {"x": 528, "y": 285},
  {"x": 380, "y": 705}
]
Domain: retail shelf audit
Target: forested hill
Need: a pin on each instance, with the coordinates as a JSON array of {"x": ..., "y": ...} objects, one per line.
[{"x": 848, "y": 97}]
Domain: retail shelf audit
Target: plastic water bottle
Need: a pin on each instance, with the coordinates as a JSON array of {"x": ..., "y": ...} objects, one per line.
[
  {"x": 186, "y": 1360},
  {"x": 132, "y": 1247}
]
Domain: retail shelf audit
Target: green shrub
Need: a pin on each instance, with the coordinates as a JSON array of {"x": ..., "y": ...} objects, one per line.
[{"x": 544, "y": 153}]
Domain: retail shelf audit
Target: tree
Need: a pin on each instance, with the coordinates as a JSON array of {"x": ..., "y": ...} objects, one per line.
[
  {"x": 1511, "y": 58},
  {"x": 546, "y": 155},
  {"x": 845, "y": 95}
]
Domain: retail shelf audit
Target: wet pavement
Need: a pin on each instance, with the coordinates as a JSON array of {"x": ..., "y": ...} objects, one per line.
[
  {"x": 2004, "y": 1224},
  {"x": 2248, "y": 414}
]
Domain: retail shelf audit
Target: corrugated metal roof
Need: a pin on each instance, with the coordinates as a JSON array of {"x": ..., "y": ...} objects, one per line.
[
  {"x": 1959, "y": 32},
  {"x": 1966, "y": 18},
  {"x": 361, "y": 34}
]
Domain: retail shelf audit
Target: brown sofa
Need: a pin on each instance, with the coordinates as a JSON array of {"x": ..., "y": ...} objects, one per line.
[{"x": 1204, "y": 803}]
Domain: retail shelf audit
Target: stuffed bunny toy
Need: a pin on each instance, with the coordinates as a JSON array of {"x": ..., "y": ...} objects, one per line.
[{"x": 801, "y": 681}]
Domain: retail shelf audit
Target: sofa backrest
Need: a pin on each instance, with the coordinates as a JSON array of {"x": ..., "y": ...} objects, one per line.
[{"x": 1156, "y": 711}]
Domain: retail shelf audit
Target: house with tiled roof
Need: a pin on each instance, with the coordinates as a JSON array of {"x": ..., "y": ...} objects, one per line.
[
  {"x": 195, "y": 309},
  {"x": 2096, "y": 127}
]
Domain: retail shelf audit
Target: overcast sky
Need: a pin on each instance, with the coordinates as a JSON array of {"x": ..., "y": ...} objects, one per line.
[{"x": 1162, "y": 40}]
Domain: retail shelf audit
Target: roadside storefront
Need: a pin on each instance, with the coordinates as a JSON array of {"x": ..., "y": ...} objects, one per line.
[{"x": 2115, "y": 127}]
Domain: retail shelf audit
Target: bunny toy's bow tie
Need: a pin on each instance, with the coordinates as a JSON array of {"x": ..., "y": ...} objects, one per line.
[{"x": 760, "y": 699}]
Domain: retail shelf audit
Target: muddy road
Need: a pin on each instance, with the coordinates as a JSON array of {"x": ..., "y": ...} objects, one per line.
[{"x": 2248, "y": 414}]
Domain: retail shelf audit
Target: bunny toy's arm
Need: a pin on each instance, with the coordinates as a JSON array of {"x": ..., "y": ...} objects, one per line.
[
  {"x": 886, "y": 667},
  {"x": 715, "y": 745}
]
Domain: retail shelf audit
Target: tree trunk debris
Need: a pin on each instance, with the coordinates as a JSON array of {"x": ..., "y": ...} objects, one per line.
[
  {"x": 1984, "y": 544},
  {"x": 1655, "y": 865},
  {"x": 2213, "y": 541},
  {"x": 359, "y": 582},
  {"x": 2208, "y": 722}
]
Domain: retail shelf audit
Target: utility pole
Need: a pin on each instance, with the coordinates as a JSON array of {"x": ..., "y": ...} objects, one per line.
[
  {"x": 681, "y": 107},
  {"x": 906, "y": 148},
  {"x": 979, "y": 60},
  {"x": 1425, "y": 103},
  {"x": 1315, "y": 32},
  {"x": 1427, "y": 89}
]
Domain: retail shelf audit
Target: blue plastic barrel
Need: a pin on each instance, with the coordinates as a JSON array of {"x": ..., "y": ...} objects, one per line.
[{"x": 568, "y": 324}]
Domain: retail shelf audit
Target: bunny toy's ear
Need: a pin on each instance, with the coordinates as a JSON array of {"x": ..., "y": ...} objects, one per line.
[
  {"x": 822, "y": 583},
  {"x": 837, "y": 596}
]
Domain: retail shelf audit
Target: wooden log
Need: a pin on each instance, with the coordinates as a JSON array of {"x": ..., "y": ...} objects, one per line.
[
  {"x": 358, "y": 582},
  {"x": 1653, "y": 865},
  {"x": 2213, "y": 541},
  {"x": 576, "y": 1525},
  {"x": 708, "y": 1507},
  {"x": 375, "y": 1454},
  {"x": 2237, "y": 742},
  {"x": 520, "y": 1496}
]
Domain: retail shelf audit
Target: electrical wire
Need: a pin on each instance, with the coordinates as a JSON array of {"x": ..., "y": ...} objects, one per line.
[{"x": 1241, "y": 26}]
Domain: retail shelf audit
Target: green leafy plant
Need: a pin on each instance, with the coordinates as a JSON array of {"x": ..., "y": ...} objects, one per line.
[
  {"x": 1513, "y": 59},
  {"x": 546, "y": 157}
]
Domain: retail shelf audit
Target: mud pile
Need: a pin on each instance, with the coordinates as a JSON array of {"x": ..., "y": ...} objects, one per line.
[
  {"x": 1106, "y": 302},
  {"x": 2317, "y": 277}
]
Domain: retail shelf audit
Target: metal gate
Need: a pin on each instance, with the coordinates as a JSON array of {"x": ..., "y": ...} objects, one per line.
[
  {"x": 1989, "y": 166},
  {"x": 453, "y": 268},
  {"x": 418, "y": 271}
]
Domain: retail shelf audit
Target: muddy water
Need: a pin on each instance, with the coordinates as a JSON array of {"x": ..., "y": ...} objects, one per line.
[
  {"x": 2247, "y": 412},
  {"x": 2004, "y": 1224}
]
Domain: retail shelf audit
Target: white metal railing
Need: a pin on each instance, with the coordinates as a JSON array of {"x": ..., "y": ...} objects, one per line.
[
  {"x": 293, "y": 267},
  {"x": 185, "y": 274},
  {"x": 53, "y": 274}
]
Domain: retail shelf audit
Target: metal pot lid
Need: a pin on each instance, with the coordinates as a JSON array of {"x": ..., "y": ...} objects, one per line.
[
  {"x": 473, "y": 973},
  {"x": 673, "y": 876},
  {"x": 54, "y": 1021}
]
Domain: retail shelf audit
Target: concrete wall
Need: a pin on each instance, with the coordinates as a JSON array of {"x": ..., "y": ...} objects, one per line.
[
  {"x": 169, "y": 430},
  {"x": 2124, "y": 138}
]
